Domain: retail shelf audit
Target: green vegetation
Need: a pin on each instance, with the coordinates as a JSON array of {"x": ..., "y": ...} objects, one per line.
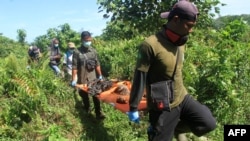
[
  {"x": 37, "y": 105},
  {"x": 132, "y": 17}
]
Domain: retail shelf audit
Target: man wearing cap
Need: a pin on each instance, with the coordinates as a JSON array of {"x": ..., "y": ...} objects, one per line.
[
  {"x": 172, "y": 111},
  {"x": 86, "y": 66},
  {"x": 67, "y": 61}
]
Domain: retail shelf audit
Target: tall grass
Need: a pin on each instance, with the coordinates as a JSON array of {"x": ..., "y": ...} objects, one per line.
[{"x": 37, "y": 105}]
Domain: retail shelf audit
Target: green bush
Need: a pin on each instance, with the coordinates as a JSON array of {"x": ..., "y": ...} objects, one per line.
[{"x": 37, "y": 105}]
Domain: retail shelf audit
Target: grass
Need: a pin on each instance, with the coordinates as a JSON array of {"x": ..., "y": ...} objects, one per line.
[{"x": 62, "y": 117}]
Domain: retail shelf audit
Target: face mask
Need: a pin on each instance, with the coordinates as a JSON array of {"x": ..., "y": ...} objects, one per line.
[
  {"x": 86, "y": 43},
  {"x": 175, "y": 38},
  {"x": 55, "y": 45},
  {"x": 71, "y": 50}
]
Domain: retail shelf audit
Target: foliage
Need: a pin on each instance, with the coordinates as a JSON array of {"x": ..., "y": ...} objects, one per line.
[
  {"x": 42, "y": 42},
  {"x": 118, "y": 57},
  {"x": 142, "y": 17},
  {"x": 216, "y": 73},
  {"x": 8, "y": 46},
  {"x": 28, "y": 97},
  {"x": 234, "y": 30},
  {"x": 37, "y": 105},
  {"x": 115, "y": 31},
  {"x": 223, "y": 20},
  {"x": 21, "y": 35},
  {"x": 63, "y": 33}
]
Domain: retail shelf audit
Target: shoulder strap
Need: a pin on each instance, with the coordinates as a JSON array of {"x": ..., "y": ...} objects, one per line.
[
  {"x": 67, "y": 57},
  {"x": 85, "y": 56},
  {"x": 175, "y": 63},
  {"x": 68, "y": 54}
]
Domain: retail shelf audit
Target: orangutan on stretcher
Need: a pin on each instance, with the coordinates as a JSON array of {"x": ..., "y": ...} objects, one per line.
[{"x": 115, "y": 93}]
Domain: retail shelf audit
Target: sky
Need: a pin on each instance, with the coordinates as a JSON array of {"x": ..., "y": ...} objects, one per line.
[{"x": 37, "y": 16}]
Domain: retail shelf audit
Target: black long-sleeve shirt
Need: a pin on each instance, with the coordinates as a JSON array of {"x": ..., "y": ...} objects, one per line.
[{"x": 137, "y": 89}]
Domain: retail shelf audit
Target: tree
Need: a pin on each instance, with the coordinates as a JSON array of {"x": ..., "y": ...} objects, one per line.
[
  {"x": 21, "y": 35},
  {"x": 42, "y": 42},
  {"x": 234, "y": 30},
  {"x": 223, "y": 20},
  {"x": 117, "y": 31},
  {"x": 66, "y": 34},
  {"x": 142, "y": 16},
  {"x": 63, "y": 33}
]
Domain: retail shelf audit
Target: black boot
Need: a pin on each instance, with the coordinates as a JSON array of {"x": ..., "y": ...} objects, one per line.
[
  {"x": 100, "y": 116},
  {"x": 85, "y": 101}
]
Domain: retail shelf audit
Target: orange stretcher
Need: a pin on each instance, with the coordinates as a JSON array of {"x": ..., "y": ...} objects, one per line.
[{"x": 118, "y": 96}]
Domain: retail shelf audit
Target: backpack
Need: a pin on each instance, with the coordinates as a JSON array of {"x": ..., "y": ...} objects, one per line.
[{"x": 34, "y": 52}]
